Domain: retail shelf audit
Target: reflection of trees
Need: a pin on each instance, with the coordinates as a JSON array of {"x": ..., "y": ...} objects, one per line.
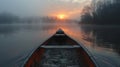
[
  {"x": 104, "y": 15},
  {"x": 8, "y": 29},
  {"x": 110, "y": 35},
  {"x": 106, "y": 36}
]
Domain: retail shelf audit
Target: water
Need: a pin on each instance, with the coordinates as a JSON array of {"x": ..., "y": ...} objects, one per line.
[
  {"x": 18, "y": 41},
  {"x": 104, "y": 43}
]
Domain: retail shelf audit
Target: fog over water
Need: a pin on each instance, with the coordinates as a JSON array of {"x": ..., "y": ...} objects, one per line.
[
  {"x": 18, "y": 41},
  {"x": 27, "y": 8},
  {"x": 98, "y": 31}
]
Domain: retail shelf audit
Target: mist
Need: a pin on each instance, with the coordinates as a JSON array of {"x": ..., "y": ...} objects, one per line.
[{"x": 26, "y": 8}]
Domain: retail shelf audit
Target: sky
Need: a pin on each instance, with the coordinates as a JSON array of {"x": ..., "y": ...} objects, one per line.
[{"x": 72, "y": 8}]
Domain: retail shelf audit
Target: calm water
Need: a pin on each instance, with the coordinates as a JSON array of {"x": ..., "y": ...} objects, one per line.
[{"x": 18, "y": 41}]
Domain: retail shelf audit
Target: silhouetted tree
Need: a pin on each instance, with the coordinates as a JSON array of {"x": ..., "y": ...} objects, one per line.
[
  {"x": 8, "y": 18},
  {"x": 105, "y": 14},
  {"x": 87, "y": 18}
]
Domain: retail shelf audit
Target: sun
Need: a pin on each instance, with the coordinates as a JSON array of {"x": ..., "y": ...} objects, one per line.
[{"x": 61, "y": 16}]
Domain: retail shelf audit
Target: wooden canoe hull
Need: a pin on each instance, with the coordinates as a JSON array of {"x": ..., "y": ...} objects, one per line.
[{"x": 58, "y": 42}]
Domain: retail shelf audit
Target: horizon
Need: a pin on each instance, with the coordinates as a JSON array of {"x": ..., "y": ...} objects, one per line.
[{"x": 25, "y": 8}]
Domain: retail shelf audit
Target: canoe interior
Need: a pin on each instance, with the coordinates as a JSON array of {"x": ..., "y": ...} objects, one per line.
[
  {"x": 60, "y": 39},
  {"x": 60, "y": 56}
]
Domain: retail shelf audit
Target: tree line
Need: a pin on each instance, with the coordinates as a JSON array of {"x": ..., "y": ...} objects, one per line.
[
  {"x": 105, "y": 14},
  {"x": 101, "y": 19},
  {"x": 8, "y": 18}
]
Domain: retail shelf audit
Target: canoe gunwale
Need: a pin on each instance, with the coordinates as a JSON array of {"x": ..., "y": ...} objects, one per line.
[{"x": 86, "y": 51}]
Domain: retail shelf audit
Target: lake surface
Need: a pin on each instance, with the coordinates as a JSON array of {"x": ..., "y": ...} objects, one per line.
[{"x": 18, "y": 41}]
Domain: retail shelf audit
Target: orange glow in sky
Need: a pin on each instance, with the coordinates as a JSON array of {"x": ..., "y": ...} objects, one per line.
[
  {"x": 61, "y": 16},
  {"x": 66, "y": 14}
]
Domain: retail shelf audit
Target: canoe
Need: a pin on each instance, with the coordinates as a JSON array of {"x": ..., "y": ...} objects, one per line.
[{"x": 60, "y": 51}]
